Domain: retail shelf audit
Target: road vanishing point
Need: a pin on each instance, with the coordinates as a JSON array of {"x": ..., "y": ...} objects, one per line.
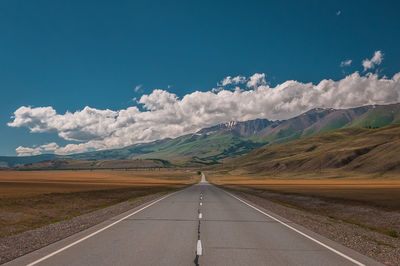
[{"x": 199, "y": 225}]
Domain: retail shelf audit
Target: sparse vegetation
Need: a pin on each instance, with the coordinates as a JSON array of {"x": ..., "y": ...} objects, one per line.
[
  {"x": 393, "y": 233},
  {"x": 379, "y": 242}
]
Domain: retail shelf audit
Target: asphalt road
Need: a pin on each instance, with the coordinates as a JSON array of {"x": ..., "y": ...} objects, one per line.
[{"x": 201, "y": 225}]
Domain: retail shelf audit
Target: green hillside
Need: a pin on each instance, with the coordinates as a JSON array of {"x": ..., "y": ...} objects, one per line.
[
  {"x": 193, "y": 149},
  {"x": 378, "y": 117}
]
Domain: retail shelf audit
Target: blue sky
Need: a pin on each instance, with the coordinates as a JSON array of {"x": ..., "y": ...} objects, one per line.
[{"x": 72, "y": 54}]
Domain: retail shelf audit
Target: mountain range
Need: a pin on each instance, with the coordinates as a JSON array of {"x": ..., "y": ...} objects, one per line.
[{"x": 223, "y": 142}]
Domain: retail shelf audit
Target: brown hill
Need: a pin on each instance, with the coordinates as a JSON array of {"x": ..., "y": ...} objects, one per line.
[{"x": 351, "y": 149}]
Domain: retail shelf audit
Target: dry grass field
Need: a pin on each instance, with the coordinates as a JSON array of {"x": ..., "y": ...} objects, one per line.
[
  {"x": 384, "y": 193},
  {"x": 369, "y": 203},
  {"x": 30, "y": 199}
]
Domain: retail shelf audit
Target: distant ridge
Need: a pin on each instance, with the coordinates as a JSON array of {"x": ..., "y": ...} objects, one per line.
[{"x": 232, "y": 139}]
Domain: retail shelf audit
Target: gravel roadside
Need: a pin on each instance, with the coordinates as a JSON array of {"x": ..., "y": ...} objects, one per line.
[
  {"x": 23, "y": 243},
  {"x": 378, "y": 246}
]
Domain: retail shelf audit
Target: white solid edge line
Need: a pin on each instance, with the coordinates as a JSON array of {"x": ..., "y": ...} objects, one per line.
[
  {"x": 301, "y": 233},
  {"x": 199, "y": 248},
  {"x": 95, "y": 233}
]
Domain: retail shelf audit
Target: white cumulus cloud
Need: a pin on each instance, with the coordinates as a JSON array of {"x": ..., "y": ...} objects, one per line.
[
  {"x": 374, "y": 61},
  {"x": 164, "y": 114},
  {"x": 256, "y": 80},
  {"x": 234, "y": 81},
  {"x": 26, "y": 151}
]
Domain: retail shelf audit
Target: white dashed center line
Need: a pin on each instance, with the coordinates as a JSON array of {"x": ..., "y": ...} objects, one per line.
[{"x": 199, "y": 248}]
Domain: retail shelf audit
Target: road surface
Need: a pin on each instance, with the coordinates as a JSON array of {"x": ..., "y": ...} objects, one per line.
[{"x": 201, "y": 225}]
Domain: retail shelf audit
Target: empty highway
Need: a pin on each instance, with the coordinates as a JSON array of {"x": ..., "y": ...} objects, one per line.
[{"x": 201, "y": 225}]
